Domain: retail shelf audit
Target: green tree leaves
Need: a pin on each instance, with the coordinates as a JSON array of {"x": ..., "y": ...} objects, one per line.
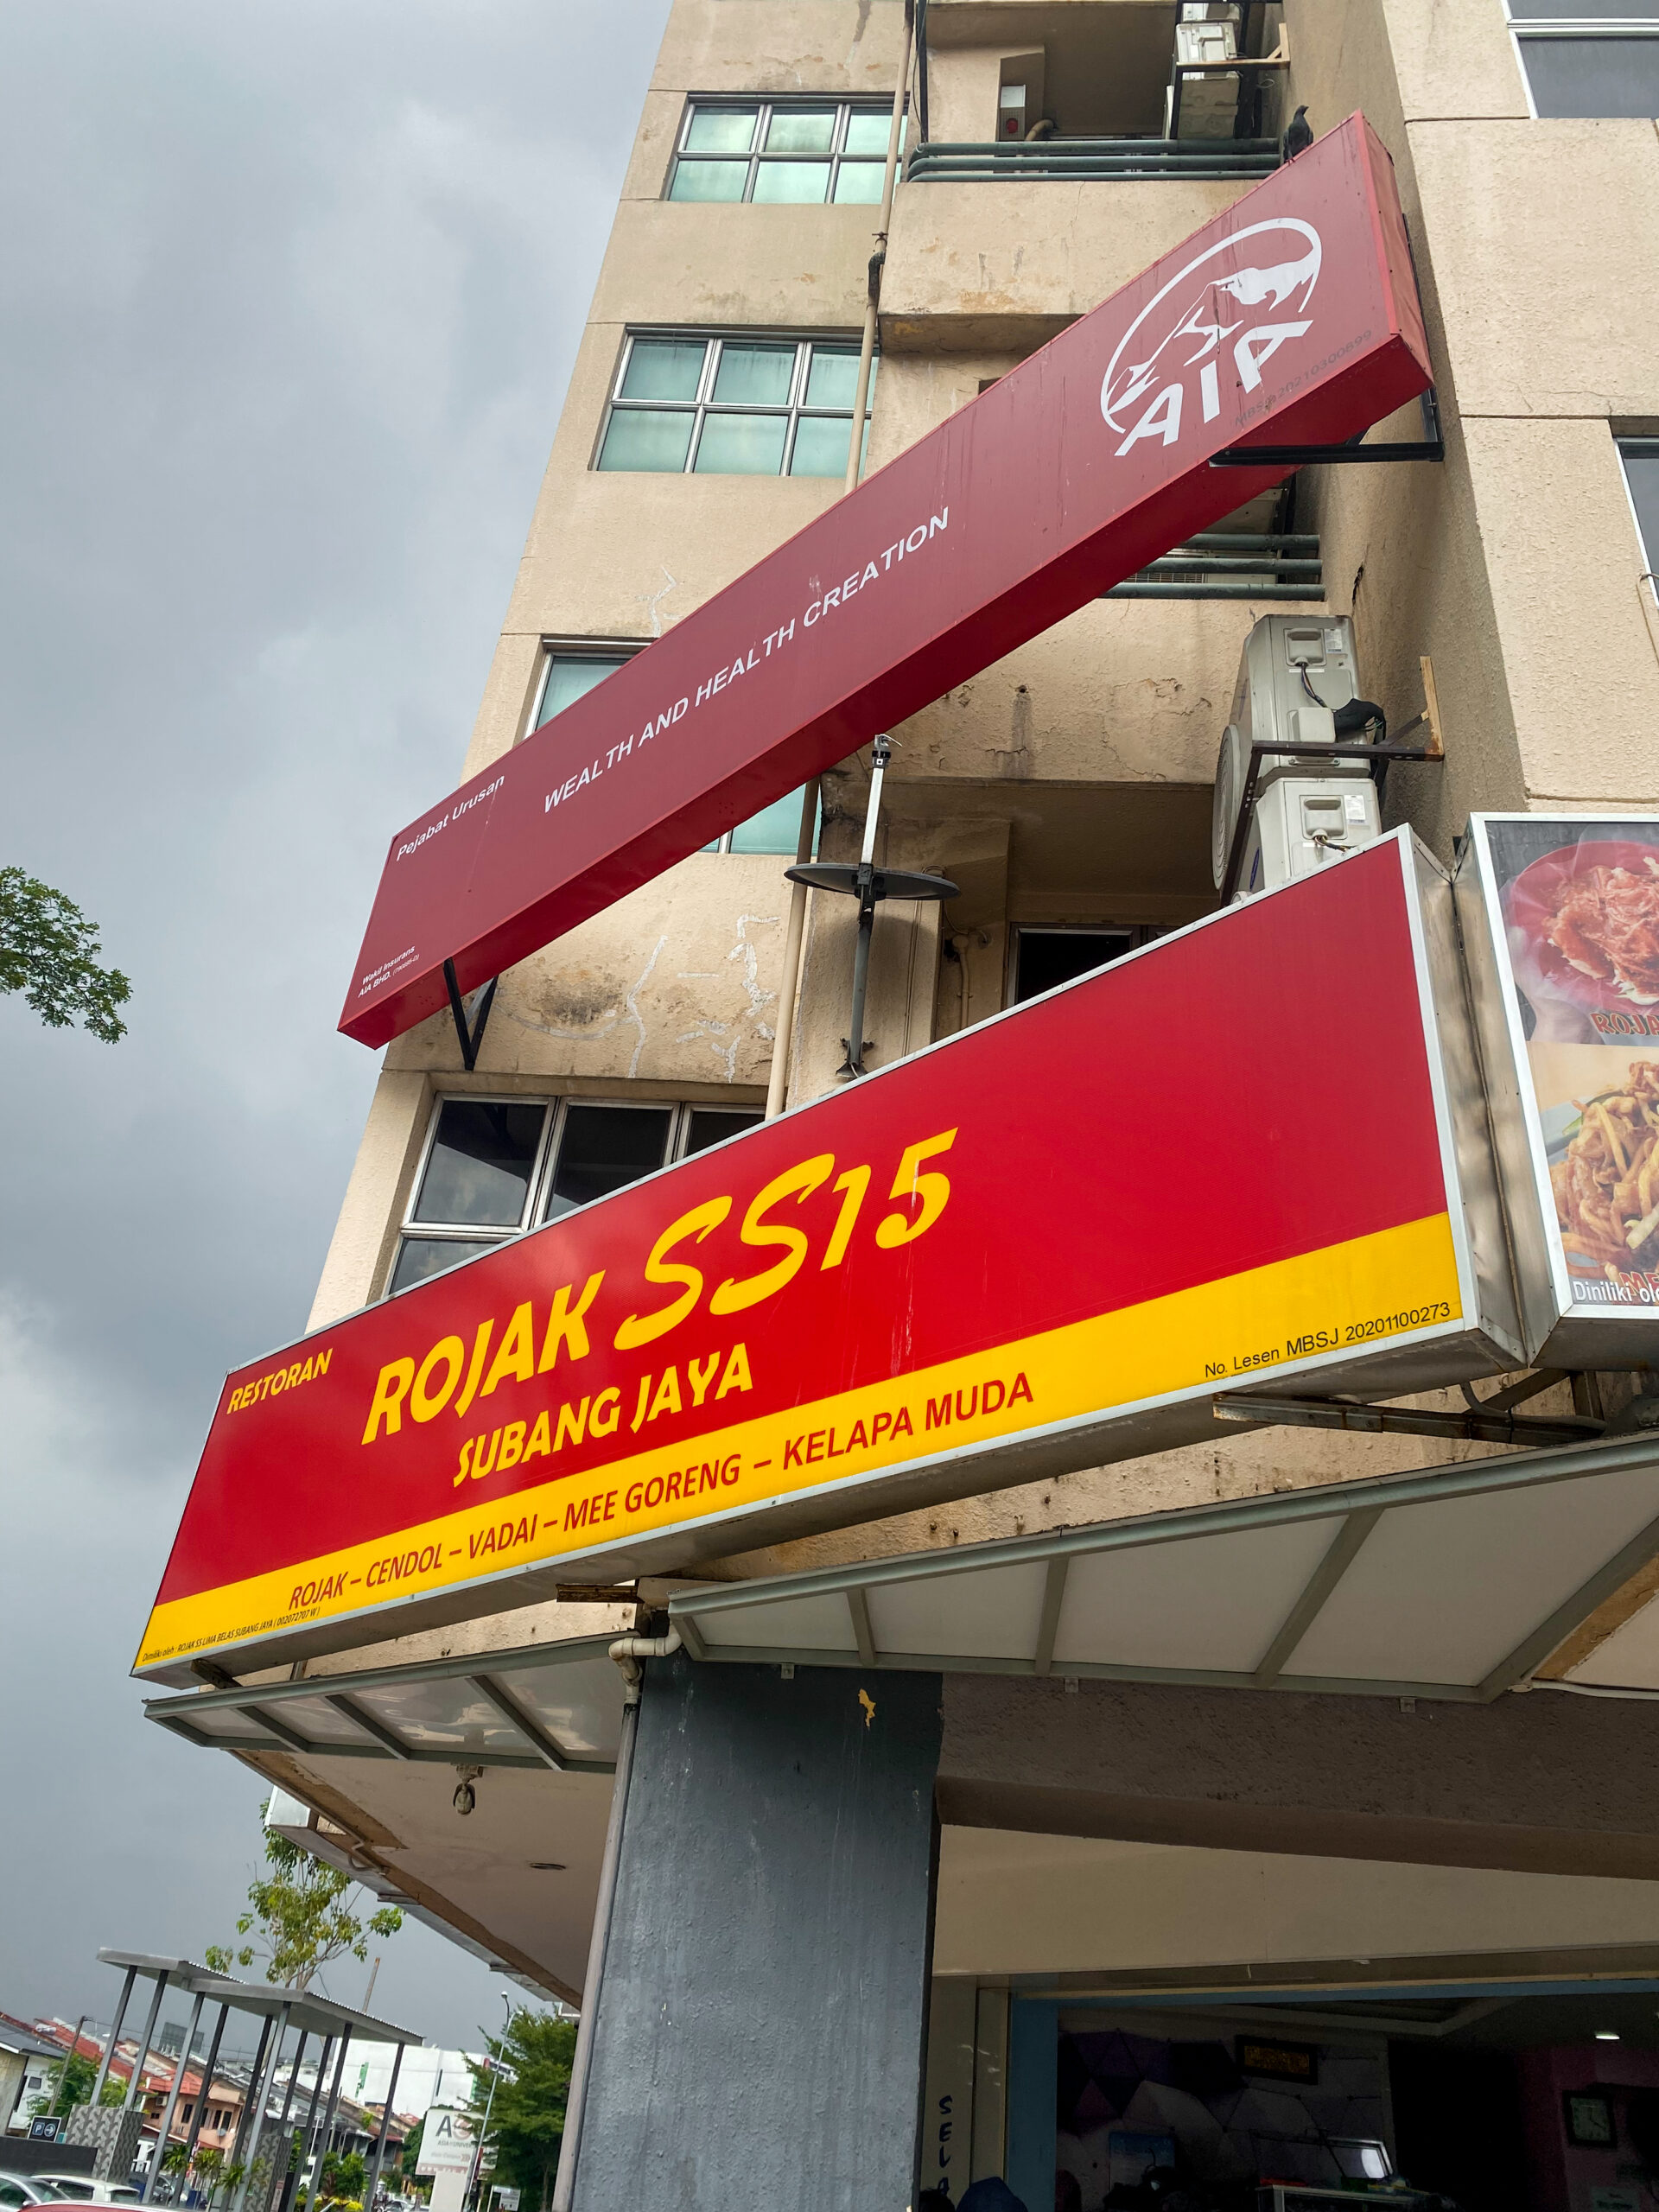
[
  {"x": 48, "y": 951},
  {"x": 527, "y": 2118},
  {"x": 301, "y": 1912}
]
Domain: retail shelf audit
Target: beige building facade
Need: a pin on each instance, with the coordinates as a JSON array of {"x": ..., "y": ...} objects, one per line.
[{"x": 1454, "y": 1901}]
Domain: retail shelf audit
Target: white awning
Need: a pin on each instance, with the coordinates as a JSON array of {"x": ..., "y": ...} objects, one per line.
[{"x": 1456, "y": 1583}]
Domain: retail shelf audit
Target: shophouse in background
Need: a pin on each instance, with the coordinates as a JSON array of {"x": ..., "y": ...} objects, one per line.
[{"x": 1281, "y": 1806}]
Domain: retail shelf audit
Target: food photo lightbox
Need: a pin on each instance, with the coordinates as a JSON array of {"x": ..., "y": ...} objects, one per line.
[{"x": 1560, "y": 916}]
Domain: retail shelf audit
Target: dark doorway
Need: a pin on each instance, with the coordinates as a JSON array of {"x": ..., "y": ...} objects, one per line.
[{"x": 1458, "y": 2123}]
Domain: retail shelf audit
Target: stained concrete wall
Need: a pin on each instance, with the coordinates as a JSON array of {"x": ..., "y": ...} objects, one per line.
[
  {"x": 758, "y": 2037},
  {"x": 1544, "y": 1784}
]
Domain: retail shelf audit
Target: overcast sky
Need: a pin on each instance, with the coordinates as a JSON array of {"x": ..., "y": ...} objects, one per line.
[{"x": 290, "y": 292}]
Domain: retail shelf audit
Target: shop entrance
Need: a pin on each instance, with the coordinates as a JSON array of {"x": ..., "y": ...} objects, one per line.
[
  {"x": 1548, "y": 2101},
  {"x": 1517, "y": 2070}
]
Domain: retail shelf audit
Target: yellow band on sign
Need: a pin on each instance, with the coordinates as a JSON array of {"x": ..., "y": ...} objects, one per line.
[{"x": 1344, "y": 1299}]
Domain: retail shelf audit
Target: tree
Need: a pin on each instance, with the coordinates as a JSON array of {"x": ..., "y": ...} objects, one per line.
[
  {"x": 48, "y": 951},
  {"x": 74, "y": 2087},
  {"x": 302, "y": 1911},
  {"x": 526, "y": 2122}
]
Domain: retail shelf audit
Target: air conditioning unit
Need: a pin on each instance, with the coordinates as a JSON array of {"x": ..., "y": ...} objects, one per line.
[
  {"x": 1296, "y": 684},
  {"x": 1206, "y": 32}
]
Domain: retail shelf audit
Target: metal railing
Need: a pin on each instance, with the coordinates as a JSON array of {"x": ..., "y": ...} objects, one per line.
[
  {"x": 1227, "y": 160},
  {"x": 1231, "y": 564}
]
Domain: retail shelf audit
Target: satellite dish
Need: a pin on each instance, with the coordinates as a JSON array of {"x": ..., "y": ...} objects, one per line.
[{"x": 1232, "y": 765}]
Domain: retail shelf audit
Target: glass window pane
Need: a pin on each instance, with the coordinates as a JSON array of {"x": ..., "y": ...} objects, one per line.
[
  {"x": 1642, "y": 473},
  {"x": 713, "y": 1124},
  {"x": 741, "y": 445},
  {"x": 858, "y": 184},
  {"x": 646, "y": 438},
  {"x": 421, "y": 1257},
  {"x": 801, "y": 130},
  {"x": 777, "y": 828},
  {"x": 705, "y": 180},
  {"x": 821, "y": 446},
  {"x": 832, "y": 378},
  {"x": 570, "y": 676},
  {"x": 755, "y": 376},
  {"x": 1594, "y": 76},
  {"x": 481, "y": 1162},
  {"x": 720, "y": 129},
  {"x": 867, "y": 128},
  {"x": 663, "y": 368},
  {"x": 601, "y": 1149},
  {"x": 790, "y": 184}
]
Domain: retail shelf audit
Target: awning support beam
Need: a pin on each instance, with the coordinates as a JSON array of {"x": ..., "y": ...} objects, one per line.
[
  {"x": 532, "y": 1732},
  {"x": 1343, "y": 1549},
  {"x": 1534, "y": 1649}
]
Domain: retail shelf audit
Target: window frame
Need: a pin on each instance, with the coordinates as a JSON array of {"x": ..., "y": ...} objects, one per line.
[
  {"x": 733, "y": 103},
  {"x": 1546, "y": 29},
  {"x": 1646, "y": 447},
  {"x": 555, "y": 1108},
  {"x": 703, "y": 404},
  {"x": 623, "y": 649},
  {"x": 1140, "y": 935}
]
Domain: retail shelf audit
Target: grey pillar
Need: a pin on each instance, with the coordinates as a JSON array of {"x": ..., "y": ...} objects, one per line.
[
  {"x": 386, "y": 2122},
  {"x": 307, "y": 2135},
  {"x": 282, "y": 2135},
  {"x": 131, "y": 2097},
  {"x": 172, "y": 2104},
  {"x": 334, "y": 2100},
  {"x": 263, "y": 2087},
  {"x": 760, "y": 2026},
  {"x": 239, "y": 2141},
  {"x": 205, "y": 2091},
  {"x": 114, "y": 2029}
]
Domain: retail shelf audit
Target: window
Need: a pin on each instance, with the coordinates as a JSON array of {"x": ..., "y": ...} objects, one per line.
[
  {"x": 1641, "y": 460},
  {"x": 775, "y": 152},
  {"x": 1043, "y": 959},
  {"x": 1589, "y": 57},
  {"x": 496, "y": 1167},
  {"x": 736, "y": 406},
  {"x": 569, "y": 674}
]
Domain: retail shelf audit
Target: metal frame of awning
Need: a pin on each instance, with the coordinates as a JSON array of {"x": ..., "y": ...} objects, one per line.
[
  {"x": 1358, "y": 1510},
  {"x": 318, "y": 2016},
  {"x": 277, "y": 1711}
]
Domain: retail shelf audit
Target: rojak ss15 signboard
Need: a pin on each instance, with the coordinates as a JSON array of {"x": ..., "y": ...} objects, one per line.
[
  {"x": 1248, "y": 1152},
  {"x": 1293, "y": 316}
]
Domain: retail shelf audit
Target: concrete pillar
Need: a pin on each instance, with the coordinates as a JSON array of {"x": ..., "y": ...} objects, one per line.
[{"x": 759, "y": 2042}]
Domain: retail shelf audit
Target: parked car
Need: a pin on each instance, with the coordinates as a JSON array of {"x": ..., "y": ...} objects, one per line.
[
  {"x": 85, "y": 2190},
  {"x": 18, "y": 2191}
]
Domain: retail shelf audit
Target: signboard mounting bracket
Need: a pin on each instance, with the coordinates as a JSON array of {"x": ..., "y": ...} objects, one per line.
[
  {"x": 1430, "y": 447},
  {"x": 470, "y": 1033}
]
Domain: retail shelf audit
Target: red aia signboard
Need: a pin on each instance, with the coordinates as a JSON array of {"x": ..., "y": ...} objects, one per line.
[
  {"x": 1040, "y": 1244},
  {"x": 1293, "y": 316}
]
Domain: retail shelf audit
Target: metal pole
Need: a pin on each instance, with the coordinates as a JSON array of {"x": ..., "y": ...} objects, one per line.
[
  {"x": 308, "y": 2136},
  {"x": 564, "y": 2183},
  {"x": 789, "y": 981},
  {"x": 172, "y": 2104},
  {"x": 144, "y": 2047},
  {"x": 476, "y": 2177},
  {"x": 881, "y": 752},
  {"x": 205, "y": 2091},
  {"x": 266, "y": 2081},
  {"x": 282, "y": 2135},
  {"x": 873, "y": 290},
  {"x": 239, "y": 2141},
  {"x": 328, "y": 2117},
  {"x": 380, "y": 2140},
  {"x": 109, "y": 2047}
]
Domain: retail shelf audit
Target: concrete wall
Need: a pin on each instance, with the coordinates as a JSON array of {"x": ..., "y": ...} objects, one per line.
[
  {"x": 1543, "y": 1784},
  {"x": 758, "y": 2037}
]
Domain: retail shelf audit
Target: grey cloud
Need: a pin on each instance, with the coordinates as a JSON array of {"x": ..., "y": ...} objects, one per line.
[{"x": 291, "y": 291}]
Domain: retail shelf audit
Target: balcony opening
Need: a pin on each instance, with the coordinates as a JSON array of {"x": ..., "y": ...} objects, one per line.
[{"x": 1191, "y": 89}]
